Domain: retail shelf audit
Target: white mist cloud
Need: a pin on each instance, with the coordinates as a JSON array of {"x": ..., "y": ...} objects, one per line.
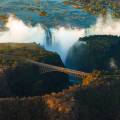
[
  {"x": 67, "y": 36},
  {"x": 64, "y": 38},
  {"x": 105, "y": 26},
  {"x": 113, "y": 64},
  {"x": 19, "y": 32}
]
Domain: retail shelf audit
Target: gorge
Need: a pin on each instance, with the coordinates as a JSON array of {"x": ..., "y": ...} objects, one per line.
[
  {"x": 56, "y": 39},
  {"x": 81, "y": 35}
]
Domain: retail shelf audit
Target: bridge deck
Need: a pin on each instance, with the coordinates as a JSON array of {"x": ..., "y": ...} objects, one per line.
[
  {"x": 61, "y": 69},
  {"x": 52, "y": 67}
]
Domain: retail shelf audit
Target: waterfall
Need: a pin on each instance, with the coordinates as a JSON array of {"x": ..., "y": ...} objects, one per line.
[
  {"x": 48, "y": 39},
  {"x": 61, "y": 39}
]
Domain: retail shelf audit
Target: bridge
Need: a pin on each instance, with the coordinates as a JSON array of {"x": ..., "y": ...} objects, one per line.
[{"x": 47, "y": 68}]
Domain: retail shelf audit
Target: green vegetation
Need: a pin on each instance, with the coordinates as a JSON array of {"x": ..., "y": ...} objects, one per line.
[
  {"x": 99, "y": 100},
  {"x": 25, "y": 50},
  {"x": 22, "y": 109},
  {"x": 22, "y": 78},
  {"x": 99, "y": 52}
]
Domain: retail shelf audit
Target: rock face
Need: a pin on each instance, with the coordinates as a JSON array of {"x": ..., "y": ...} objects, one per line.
[
  {"x": 99, "y": 100},
  {"x": 95, "y": 52},
  {"x": 55, "y": 106},
  {"x": 21, "y": 78}
]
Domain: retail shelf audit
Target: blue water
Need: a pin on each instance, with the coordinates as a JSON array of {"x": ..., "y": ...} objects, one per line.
[{"x": 58, "y": 14}]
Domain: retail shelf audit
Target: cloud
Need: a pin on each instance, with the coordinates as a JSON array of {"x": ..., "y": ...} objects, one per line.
[
  {"x": 105, "y": 26},
  {"x": 63, "y": 38},
  {"x": 19, "y": 32}
]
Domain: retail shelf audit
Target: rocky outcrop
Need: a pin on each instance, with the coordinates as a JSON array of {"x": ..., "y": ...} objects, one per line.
[
  {"x": 55, "y": 106},
  {"x": 62, "y": 105},
  {"x": 95, "y": 52},
  {"x": 92, "y": 102},
  {"x": 21, "y": 78}
]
